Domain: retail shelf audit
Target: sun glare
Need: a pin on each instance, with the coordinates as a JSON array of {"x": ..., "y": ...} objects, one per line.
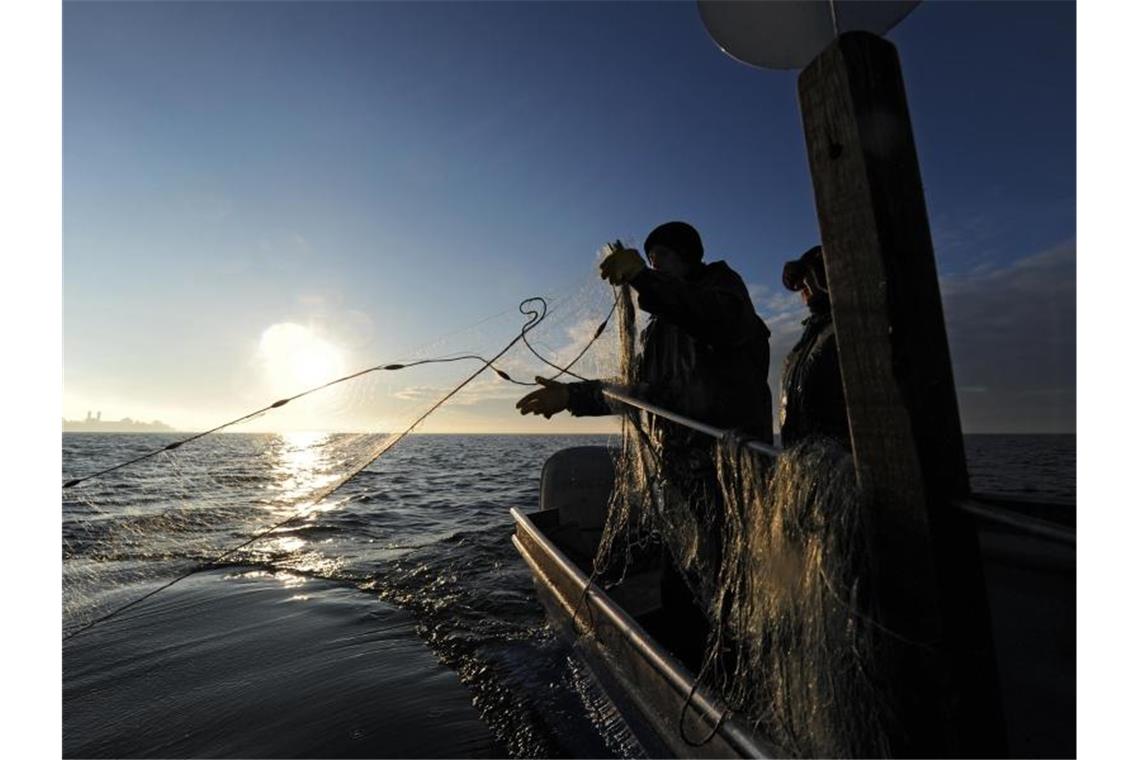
[{"x": 295, "y": 358}]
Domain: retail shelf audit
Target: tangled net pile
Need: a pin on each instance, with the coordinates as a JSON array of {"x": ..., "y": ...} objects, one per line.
[{"x": 777, "y": 553}]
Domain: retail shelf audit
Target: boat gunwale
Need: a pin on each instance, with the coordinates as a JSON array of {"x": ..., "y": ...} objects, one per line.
[{"x": 674, "y": 673}]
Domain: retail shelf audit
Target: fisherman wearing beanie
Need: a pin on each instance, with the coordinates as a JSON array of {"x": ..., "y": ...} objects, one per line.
[
  {"x": 704, "y": 355},
  {"x": 705, "y": 351}
]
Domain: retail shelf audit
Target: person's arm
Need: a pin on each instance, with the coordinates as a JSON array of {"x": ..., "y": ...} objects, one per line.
[
  {"x": 716, "y": 312},
  {"x": 586, "y": 399},
  {"x": 581, "y": 399}
]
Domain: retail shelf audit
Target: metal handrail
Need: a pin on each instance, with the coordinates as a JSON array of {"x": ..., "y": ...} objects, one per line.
[
  {"x": 1039, "y": 528},
  {"x": 720, "y": 434},
  {"x": 1061, "y": 534}
]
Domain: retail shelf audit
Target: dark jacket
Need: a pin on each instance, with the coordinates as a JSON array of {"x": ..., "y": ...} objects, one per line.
[
  {"x": 704, "y": 355},
  {"x": 811, "y": 397}
]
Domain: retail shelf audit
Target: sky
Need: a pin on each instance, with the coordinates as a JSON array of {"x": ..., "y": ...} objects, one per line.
[{"x": 258, "y": 196}]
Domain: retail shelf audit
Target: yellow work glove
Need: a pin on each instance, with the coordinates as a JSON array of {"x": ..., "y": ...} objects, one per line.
[
  {"x": 621, "y": 266},
  {"x": 552, "y": 398}
]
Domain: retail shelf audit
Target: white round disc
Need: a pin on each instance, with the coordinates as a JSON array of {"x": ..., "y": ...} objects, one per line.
[{"x": 788, "y": 34}]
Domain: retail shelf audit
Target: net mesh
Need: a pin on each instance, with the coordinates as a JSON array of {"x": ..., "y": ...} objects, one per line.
[
  {"x": 775, "y": 553},
  {"x": 134, "y": 529}
]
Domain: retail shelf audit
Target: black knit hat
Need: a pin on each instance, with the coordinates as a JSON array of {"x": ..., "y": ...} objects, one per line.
[
  {"x": 810, "y": 264},
  {"x": 679, "y": 236}
]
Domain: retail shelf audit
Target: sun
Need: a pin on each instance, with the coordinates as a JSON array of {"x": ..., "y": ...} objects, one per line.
[{"x": 295, "y": 358}]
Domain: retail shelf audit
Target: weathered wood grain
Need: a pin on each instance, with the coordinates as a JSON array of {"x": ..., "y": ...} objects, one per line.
[{"x": 902, "y": 409}]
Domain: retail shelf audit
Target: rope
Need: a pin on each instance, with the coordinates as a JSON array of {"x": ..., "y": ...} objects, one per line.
[
  {"x": 685, "y": 708},
  {"x": 277, "y": 405},
  {"x": 378, "y": 368},
  {"x": 533, "y": 308},
  {"x": 566, "y": 370}
]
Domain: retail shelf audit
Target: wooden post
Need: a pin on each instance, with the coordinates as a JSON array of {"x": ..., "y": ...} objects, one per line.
[{"x": 905, "y": 432}]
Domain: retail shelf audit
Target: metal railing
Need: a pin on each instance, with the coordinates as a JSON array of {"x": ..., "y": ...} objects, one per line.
[
  {"x": 718, "y": 433},
  {"x": 1052, "y": 532}
]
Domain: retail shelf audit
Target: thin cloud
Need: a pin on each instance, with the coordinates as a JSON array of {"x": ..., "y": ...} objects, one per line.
[
  {"x": 479, "y": 391},
  {"x": 783, "y": 311},
  {"x": 1012, "y": 333},
  {"x": 1013, "y": 341}
]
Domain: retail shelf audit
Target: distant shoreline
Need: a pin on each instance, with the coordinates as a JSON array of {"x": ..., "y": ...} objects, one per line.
[{"x": 126, "y": 425}]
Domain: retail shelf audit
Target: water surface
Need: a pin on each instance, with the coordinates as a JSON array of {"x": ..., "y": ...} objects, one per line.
[{"x": 397, "y": 622}]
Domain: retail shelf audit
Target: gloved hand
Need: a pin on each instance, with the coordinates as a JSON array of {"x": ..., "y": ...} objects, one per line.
[
  {"x": 552, "y": 398},
  {"x": 621, "y": 266}
]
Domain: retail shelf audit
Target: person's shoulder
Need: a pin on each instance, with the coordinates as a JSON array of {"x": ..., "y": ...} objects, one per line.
[
  {"x": 720, "y": 272},
  {"x": 824, "y": 327}
]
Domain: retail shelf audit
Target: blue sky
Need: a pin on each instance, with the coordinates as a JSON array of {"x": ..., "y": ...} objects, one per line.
[{"x": 381, "y": 174}]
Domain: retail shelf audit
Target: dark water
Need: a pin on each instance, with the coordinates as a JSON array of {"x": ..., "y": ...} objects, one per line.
[
  {"x": 1033, "y": 466},
  {"x": 400, "y": 623}
]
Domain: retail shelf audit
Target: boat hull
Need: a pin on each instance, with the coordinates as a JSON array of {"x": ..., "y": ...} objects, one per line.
[{"x": 663, "y": 707}]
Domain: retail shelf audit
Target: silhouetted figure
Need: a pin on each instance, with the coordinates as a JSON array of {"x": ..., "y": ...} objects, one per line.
[
  {"x": 811, "y": 399},
  {"x": 704, "y": 354}
]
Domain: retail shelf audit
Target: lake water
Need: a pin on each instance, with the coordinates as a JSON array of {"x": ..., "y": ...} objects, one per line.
[{"x": 399, "y": 622}]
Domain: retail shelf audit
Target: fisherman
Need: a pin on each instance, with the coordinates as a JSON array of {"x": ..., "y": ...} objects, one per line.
[
  {"x": 704, "y": 352},
  {"x": 811, "y": 399},
  {"x": 704, "y": 355}
]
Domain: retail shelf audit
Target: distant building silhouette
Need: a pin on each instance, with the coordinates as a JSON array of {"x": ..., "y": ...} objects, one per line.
[{"x": 95, "y": 424}]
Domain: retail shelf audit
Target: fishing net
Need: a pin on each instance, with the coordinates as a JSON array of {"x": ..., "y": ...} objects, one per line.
[
  {"x": 254, "y": 493},
  {"x": 775, "y": 554},
  {"x": 797, "y": 648},
  {"x": 135, "y": 529}
]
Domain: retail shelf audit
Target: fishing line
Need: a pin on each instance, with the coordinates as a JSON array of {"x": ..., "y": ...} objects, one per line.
[
  {"x": 566, "y": 370},
  {"x": 277, "y": 405},
  {"x": 535, "y": 309},
  {"x": 688, "y": 705},
  {"x": 554, "y": 297},
  {"x": 378, "y": 368},
  {"x": 616, "y": 245}
]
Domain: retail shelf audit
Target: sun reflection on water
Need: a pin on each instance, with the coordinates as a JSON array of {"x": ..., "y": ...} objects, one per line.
[
  {"x": 286, "y": 544},
  {"x": 303, "y": 465}
]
